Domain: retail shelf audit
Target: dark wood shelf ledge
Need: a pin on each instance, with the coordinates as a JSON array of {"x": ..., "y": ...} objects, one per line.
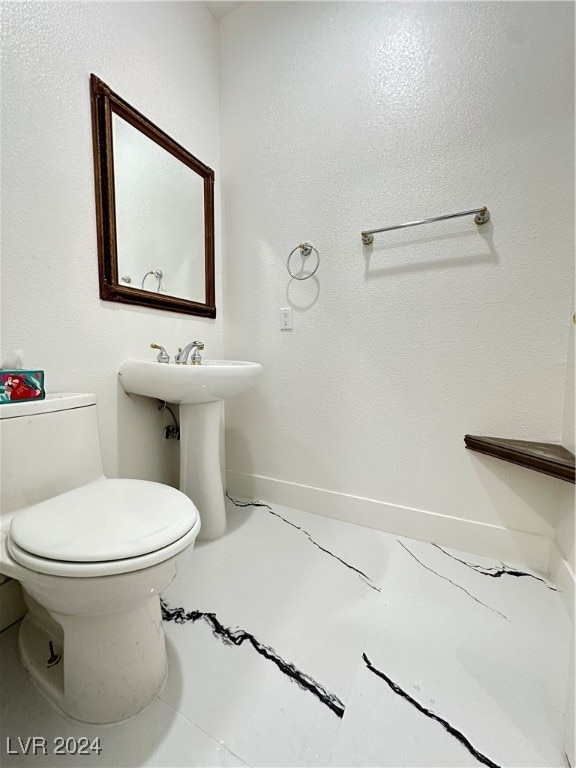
[{"x": 550, "y": 458}]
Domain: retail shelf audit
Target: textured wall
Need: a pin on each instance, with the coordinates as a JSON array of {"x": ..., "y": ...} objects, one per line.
[
  {"x": 162, "y": 58},
  {"x": 335, "y": 117},
  {"x": 568, "y": 426},
  {"x": 338, "y": 117},
  {"x": 565, "y": 526}
]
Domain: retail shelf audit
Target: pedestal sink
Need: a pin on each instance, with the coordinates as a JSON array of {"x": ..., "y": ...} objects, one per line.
[{"x": 199, "y": 390}]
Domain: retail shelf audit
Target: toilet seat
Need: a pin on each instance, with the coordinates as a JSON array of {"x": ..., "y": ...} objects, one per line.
[
  {"x": 106, "y": 568},
  {"x": 103, "y": 528}
]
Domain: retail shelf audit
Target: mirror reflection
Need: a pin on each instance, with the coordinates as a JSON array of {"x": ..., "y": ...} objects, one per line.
[
  {"x": 155, "y": 212},
  {"x": 159, "y": 217}
]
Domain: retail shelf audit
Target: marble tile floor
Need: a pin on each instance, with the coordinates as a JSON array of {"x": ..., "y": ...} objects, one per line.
[{"x": 298, "y": 640}]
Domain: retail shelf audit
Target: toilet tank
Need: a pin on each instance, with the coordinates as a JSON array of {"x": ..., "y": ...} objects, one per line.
[{"x": 47, "y": 447}]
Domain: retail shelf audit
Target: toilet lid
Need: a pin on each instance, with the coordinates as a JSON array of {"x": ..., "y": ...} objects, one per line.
[{"x": 105, "y": 520}]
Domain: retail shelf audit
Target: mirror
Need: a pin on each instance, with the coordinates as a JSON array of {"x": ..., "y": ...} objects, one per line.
[{"x": 154, "y": 211}]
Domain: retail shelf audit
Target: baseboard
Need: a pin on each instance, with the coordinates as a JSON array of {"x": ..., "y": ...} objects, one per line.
[
  {"x": 564, "y": 577},
  {"x": 517, "y": 547},
  {"x": 12, "y": 605}
]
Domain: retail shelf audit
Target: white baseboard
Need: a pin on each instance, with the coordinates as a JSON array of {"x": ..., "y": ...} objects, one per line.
[
  {"x": 564, "y": 577},
  {"x": 517, "y": 547},
  {"x": 12, "y": 605}
]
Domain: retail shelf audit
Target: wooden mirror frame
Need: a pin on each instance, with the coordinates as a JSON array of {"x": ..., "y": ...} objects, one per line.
[{"x": 104, "y": 102}]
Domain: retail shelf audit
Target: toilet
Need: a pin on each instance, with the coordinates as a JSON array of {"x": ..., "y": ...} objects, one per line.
[{"x": 92, "y": 555}]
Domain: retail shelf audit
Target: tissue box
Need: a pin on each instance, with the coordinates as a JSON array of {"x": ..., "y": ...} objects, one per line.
[{"x": 16, "y": 386}]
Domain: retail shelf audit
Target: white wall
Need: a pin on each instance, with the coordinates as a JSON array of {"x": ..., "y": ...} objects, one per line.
[
  {"x": 335, "y": 117},
  {"x": 563, "y": 565},
  {"x": 162, "y": 58},
  {"x": 338, "y": 117},
  {"x": 568, "y": 435}
]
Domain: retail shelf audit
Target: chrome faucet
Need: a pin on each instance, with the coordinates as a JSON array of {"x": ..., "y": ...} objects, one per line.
[
  {"x": 195, "y": 358},
  {"x": 163, "y": 356}
]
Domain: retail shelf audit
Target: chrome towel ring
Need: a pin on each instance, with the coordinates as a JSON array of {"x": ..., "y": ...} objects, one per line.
[
  {"x": 158, "y": 274},
  {"x": 305, "y": 251}
]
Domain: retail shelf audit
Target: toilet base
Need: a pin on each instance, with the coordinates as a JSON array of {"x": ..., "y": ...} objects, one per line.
[{"x": 100, "y": 668}]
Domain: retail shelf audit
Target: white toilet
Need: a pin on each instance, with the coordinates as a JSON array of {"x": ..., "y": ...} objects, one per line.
[{"x": 91, "y": 555}]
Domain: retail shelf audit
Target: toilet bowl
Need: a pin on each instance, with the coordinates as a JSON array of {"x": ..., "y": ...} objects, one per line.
[{"x": 92, "y": 555}]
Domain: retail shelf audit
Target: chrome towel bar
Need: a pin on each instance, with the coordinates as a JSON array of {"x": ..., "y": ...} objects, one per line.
[{"x": 482, "y": 215}]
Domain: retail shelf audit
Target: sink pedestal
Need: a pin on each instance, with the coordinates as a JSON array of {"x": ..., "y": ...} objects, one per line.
[
  {"x": 200, "y": 471},
  {"x": 199, "y": 391}
]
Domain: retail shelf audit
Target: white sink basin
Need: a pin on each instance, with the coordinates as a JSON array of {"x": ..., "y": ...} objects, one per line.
[{"x": 188, "y": 384}]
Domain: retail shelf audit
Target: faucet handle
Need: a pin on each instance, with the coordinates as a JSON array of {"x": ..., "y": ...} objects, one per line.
[
  {"x": 196, "y": 357},
  {"x": 163, "y": 356}
]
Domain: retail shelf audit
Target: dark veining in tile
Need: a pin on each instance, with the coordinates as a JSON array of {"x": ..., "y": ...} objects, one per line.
[
  {"x": 444, "y": 723},
  {"x": 451, "y": 582},
  {"x": 495, "y": 572},
  {"x": 362, "y": 575},
  {"x": 239, "y": 636}
]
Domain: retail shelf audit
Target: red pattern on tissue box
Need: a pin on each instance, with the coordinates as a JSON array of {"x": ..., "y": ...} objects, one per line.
[{"x": 16, "y": 386}]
